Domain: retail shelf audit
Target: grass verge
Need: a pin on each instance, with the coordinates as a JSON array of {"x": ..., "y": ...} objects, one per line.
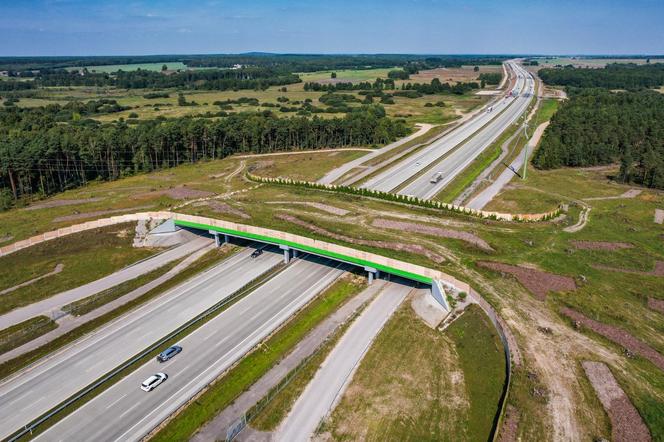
[
  {"x": 483, "y": 363},
  {"x": 254, "y": 365},
  {"x": 26, "y": 331},
  {"x": 86, "y": 305}
]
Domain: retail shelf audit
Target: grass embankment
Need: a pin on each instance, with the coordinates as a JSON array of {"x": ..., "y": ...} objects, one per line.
[
  {"x": 256, "y": 364},
  {"x": 86, "y": 305},
  {"x": 26, "y": 331},
  {"x": 416, "y": 383},
  {"x": 482, "y": 360},
  {"x": 86, "y": 256},
  {"x": 202, "y": 264}
]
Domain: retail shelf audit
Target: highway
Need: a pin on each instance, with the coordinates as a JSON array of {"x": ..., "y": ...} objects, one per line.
[
  {"x": 405, "y": 171},
  {"x": 45, "y": 306},
  {"x": 126, "y": 413},
  {"x": 334, "y": 375},
  {"x": 458, "y": 160},
  {"x": 35, "y": 390}
]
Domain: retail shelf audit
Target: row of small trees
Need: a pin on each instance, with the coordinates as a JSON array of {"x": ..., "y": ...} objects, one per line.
[{"x": 406, "y": 199}]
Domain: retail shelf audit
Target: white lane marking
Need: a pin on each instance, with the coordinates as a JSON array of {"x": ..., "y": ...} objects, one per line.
[
  {"x": 130, "y": 408},
  {"x": 116, "y": 401}
]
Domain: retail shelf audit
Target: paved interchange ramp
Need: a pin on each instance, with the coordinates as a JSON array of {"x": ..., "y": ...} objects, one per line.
[{"x": 327, "y": 386}]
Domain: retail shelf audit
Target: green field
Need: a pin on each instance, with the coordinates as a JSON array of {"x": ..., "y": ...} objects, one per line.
[
  {"x": 346, "y": 75},
  {"x": 588, "y": 62}
]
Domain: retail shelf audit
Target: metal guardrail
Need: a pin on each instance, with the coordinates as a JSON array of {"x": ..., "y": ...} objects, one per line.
[{"x": 28, "y": 429}]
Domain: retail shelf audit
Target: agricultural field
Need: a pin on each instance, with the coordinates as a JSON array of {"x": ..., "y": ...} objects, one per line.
[
  {"x": 172, "y": 66},
  {"x": 344, "y": 75}
]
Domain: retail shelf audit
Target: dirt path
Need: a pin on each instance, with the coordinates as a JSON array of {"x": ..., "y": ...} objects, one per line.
[
  {"x": 304, "y": 152},
  {"x": 631, "y": 193},
  {"x": 659, "y": 216},
  {"x": 234, "y": 173},
  {"x": 581, "y": 223},
  {"x": 58, "y": 268}
]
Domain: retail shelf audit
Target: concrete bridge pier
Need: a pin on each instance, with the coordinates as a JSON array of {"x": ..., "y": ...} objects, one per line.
[
  {"x": 217, "y": 238},
  {"x": 286, "y": 250},
  {"x": 373, "y": 274}
]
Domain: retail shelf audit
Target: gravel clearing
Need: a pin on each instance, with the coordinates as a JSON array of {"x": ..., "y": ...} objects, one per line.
[
  {"x": 626, "y": 422},
  {"x": 320, "y": 206},
  {"x": 435, "y": 231},
  {"x": 536, "y": 281},
  {"x": 178, "y": 193},
  {"x": 61, "y": 203},
  {"x": 618, "y": 336},
  {"x": 220, "y": 207},
  {"x": 601, "y": 245},
  {"x": 659, "y": 216},
  {"x": 398, "y": 246}
]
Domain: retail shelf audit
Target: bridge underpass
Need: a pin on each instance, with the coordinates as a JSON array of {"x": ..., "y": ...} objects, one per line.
[{"x": 291, "y": 249}]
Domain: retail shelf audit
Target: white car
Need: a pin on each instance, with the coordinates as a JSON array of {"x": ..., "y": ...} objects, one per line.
[{"x": 151, "y": 383}]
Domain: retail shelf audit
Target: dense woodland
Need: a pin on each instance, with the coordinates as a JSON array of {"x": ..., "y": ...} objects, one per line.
[
  {"x": 597, "y": 127},
  {"x": 209, "y": 79},
  {"x": 40, "y": 155},
  {"x": 613, "y": 76}
]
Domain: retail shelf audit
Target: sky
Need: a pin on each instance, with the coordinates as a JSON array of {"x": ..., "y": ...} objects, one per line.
[{"x": 114, "y": 27}]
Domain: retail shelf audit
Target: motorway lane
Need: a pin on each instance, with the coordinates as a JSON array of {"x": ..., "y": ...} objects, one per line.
[
  {"x": 55, "y": 302},
  {"x": 125, "y": 412},
  {"x": 403, "y": 171},
  {"x": 30, "y": 393},
  {"x": 458, "y": 160},
  {"x": 335, "y": 373}
]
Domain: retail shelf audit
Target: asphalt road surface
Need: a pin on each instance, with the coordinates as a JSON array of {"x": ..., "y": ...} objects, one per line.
[
  {"x": 32, "y": 392},
  {"x": 126, "y": 413},
  {"x": 457, "y": 161},
  {"x": 328, "y": 384},
  {"x": 56, "y": 301},
  {"x": 403, "y": 171}
]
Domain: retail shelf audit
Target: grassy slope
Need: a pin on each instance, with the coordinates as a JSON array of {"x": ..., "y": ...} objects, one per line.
[
  {"x": 408, "y": 385},
  {"x": 86, "y": 257}
]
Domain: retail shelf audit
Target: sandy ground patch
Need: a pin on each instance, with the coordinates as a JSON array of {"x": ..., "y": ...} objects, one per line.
[
  {"x": 61, "y": 203},
  {"x": 600, "y": 245},
  {"x": 631, "y": 193},
  {"x": 405, "y": 247},
  {"x": 617, "y": 335},
  {"x": 659, "y": 216},
  {"x": 177, "y": 193},
  {"x": 657, "y": 271},
  {"x": 538, "y": 282},
  {"x": 656, "y": 304},
  {"x": 470, "y": 238},
  {"x": 220, "y": 207},
  {"x": 320, "y": 206},
  {"x": 97, "y": 213},
  {"x": 626, "y": 423}
]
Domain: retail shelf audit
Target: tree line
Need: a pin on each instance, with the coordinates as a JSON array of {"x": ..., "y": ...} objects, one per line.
[
  {"x": 614, "y": 76},
  {"x": 40, "y": 155},
  {"x": 598, "y": 127}
]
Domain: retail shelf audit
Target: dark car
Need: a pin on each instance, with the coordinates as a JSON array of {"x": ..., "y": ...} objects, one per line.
[
  {"x": 169, "y": 353},
  {"x": 257, "y": 253}
]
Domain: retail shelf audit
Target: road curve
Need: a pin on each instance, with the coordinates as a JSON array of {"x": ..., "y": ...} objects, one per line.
[
  {"x": 32, "y": 392},
  {"x": 126, "y": 413},
  {"x": 335, "y": 373}
]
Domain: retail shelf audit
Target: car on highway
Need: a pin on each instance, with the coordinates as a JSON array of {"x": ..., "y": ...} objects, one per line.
[
  {"x": 257, "y": 253},
  {"x": 153, "y": 381},
  {"x": 436, "y": 177},
  {"x": 169, "y": 353}
]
